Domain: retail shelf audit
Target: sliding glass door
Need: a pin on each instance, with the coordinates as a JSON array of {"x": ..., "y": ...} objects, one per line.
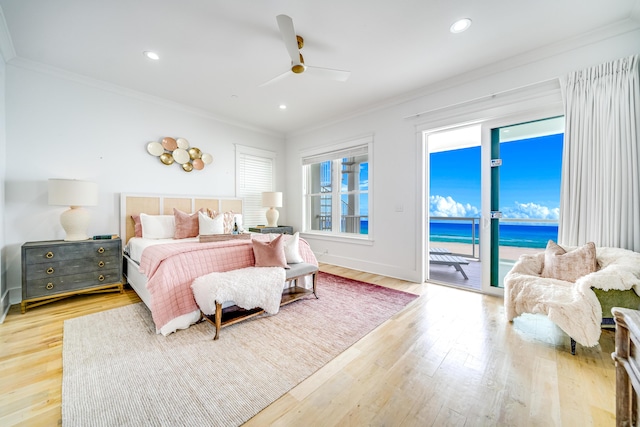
[
  {"x": 516, "y": 212},
  {"x": 523, "y": 167}
]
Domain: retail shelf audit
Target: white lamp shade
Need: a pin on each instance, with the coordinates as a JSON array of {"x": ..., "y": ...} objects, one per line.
[
  {"x": 72, "y": 192},
  {"x": 272, "y": 199}
]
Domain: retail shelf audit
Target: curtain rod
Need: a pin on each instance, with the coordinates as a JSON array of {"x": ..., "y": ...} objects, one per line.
[{"x": 484, "y": 98}]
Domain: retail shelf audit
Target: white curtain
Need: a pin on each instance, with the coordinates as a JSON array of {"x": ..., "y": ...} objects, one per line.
[{"x": 600, "y": 185}]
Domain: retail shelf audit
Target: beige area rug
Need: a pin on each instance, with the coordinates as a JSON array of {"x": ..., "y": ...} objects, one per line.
[{"x": 117, "y": 371}]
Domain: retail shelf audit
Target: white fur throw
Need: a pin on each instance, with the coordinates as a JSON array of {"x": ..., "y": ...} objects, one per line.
[
  {"x": 248, "y": 288},
  {"x": 572, "y": 306}
]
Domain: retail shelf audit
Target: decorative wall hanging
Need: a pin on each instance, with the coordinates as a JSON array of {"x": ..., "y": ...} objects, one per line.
[{"x": 177, "y": 150}]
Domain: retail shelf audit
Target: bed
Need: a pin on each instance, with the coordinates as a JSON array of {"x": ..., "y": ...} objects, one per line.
[{"x": 161, "y": 270}]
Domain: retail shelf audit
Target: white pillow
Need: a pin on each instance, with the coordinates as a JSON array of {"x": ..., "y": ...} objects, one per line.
[
  {"x": 208, "y": 226},
  {"x": 158, "y": 226},
  {"x": 292, "y": 249}
]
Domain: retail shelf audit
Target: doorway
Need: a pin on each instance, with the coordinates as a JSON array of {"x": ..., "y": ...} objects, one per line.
[
  {"x": 454, "y": 194},
  {"x": 494, "y": 194}
]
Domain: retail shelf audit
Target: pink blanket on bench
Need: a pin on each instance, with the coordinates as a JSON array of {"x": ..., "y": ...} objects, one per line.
[{"x": 172, "y": 268}]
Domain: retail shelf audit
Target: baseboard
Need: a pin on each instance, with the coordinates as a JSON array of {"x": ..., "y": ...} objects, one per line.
[
  {"x": 370, "y": 267},
  {"x": 4, "y": 306}
]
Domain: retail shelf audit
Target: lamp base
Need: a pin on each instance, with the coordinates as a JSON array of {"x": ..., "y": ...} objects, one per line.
[
  {"x": 272, "y": 217},
  {"x": 75, "y": 222}
]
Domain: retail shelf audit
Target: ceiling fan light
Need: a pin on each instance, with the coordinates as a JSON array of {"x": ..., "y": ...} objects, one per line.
[{"x": 460, "y": 25}]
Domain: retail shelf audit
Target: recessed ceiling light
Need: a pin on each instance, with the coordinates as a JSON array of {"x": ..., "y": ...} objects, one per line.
[
  {"x": 151, "y": 55},
  {"x": 460, "y": 25},
  {"x": 283, "y": 107}
]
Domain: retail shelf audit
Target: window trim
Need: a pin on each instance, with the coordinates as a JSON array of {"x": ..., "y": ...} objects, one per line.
[{"x": 316, "y": 155}]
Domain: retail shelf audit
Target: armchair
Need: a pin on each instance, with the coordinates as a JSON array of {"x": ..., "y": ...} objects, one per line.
[{"x": 578, "y": 307}]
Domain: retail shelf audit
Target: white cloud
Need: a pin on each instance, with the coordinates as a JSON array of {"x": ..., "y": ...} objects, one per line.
[
  {"x": 446, "y": 206},
  {"x": 530, "y": 210}
]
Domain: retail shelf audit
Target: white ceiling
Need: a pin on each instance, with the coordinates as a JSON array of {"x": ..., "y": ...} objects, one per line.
[{"x": 215, "y": 54}]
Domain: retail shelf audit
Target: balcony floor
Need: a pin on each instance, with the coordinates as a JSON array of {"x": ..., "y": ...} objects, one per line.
[{"x": 448, "y": 275}]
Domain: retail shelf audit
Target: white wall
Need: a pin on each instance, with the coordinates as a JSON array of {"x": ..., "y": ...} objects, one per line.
[
  {"x": 4, "y": 291},
  {"x": 396, "y": 169},
  {"x": 62, "y": 127}
]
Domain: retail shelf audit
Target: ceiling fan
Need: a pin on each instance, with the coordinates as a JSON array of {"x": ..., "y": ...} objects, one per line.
[{"x": 294, "y": 43}]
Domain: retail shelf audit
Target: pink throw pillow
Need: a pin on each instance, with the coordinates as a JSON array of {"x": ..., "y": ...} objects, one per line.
[
  {"x": 569, "y": 266},
  {"x": 270, "y": 254},
  {"x": 137, "y": 225},
  {"x": 186, "y": 224}
]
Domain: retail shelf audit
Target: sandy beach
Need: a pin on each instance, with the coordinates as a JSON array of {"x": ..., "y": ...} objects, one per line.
[{"x": 506, "y": 252}]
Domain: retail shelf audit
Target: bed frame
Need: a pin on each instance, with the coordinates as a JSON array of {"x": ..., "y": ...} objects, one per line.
[{"x": 158, "y": 204}]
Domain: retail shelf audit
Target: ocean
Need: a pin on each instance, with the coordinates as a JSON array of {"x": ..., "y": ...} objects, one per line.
[{"x": 519, "y": 235}]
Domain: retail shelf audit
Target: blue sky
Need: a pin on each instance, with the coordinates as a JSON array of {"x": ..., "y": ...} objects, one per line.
[{"x": 529, "y": 179}]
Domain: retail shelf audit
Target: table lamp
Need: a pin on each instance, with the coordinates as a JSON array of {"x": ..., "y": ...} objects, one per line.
[
  {"x": 272, "y": 200},
  {"x": 75, "y": 194}
]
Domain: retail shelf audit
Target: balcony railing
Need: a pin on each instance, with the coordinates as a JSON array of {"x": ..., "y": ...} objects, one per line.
[
  {"x": 473, "y": 238},
  {"x": 348, "y": 223},
  {"x": 475, "y": 241}
]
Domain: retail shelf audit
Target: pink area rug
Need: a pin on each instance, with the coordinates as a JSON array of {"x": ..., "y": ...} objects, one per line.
[{"x": 118, "y": 371}]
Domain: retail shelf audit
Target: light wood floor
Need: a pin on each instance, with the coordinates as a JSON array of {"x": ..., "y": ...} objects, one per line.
[{"x": 449, "y": 358}]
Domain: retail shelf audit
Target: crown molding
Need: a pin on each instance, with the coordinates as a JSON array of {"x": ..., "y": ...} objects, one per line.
[
  {"x": 39, "y": 67},
  {"x": 6, "y": 44},
  {"x": 532, "y": 56}
]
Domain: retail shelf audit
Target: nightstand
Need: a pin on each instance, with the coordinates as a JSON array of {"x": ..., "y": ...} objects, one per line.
[
  {"x": 52, "y": 270},
  {"x": 281, "y": 229}
]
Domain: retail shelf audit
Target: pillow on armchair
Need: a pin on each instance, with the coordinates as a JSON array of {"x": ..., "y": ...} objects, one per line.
[{"x": 569, "y": 266}]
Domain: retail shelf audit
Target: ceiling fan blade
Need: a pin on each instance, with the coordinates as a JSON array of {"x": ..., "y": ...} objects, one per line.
[
  {"x": 277, "y": 78},
  {"x": 328, "y": 73},
  {"x": 285, "y": 23}
]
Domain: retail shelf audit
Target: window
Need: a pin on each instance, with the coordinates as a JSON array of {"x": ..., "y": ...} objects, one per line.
[
  {"x": 337, "y": 191},
  {"x": 254, "y": 174}
]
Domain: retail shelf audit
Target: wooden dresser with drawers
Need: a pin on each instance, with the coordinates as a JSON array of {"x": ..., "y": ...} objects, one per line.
[{"x": 56, "y": 269}]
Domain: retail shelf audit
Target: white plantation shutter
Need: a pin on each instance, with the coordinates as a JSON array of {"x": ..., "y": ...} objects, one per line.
[{"x": 254, "y": 175}]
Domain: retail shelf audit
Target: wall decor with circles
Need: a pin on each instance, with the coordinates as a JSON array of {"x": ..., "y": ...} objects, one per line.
[{"x": 177, "y": 150}]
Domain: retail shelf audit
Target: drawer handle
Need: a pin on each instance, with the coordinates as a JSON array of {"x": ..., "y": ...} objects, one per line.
[
  {"x": 101, "y": 264},
  {"x": 49, "y": 286},
  {"x": 50, "y": 270},
  {"x": 101, "y": 278},
  {"x": 49, "y": 255},
  {"x": 101, "y": 250}
]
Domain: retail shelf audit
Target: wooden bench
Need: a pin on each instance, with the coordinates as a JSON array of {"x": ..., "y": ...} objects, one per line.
[
  {"x": 234, "y": 314},
  {"x": 453, "y": 260}
]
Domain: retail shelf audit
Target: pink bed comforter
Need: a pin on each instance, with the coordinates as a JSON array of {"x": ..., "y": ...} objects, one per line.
[{"x": 171, "y": 269}]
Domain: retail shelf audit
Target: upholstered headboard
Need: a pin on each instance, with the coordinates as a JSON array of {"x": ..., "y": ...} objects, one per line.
[{"x": 156, "y": 204}]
